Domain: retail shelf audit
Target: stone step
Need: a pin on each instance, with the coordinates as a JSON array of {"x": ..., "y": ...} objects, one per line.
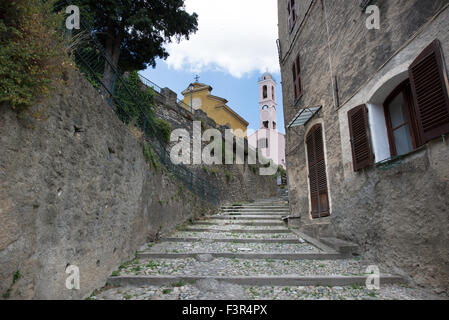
[
  {"x": 255, "y": 207},
  {"x": 272, "y": 281},
  {"x": 233, "y": 235},
  {"x": 260, "y": 231},
  {"x": 211, "y": 246},
  {"x": 246, "y": 217},
  {"x": 278, "y": 214},
  {"x": 232, "y": 240},
  {"x": 245, "y": 256},
  {"x": 240, "y": 223},
  {"x": 207, "y": 265}
]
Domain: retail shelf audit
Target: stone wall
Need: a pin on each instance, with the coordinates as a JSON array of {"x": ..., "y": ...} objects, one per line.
[
  {"x": 234, "y": 183},
  {"x": 75, "y": 190},
  {"x": 399, "y": 217}
]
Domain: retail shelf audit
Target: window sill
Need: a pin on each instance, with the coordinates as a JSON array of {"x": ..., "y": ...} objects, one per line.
[{"x": 396, "y": 160}]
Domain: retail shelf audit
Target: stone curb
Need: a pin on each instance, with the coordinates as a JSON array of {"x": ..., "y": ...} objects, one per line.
[
  {"x": 246, "y": 256},
  {"x": 275, "y": 281},
  {"x": 314, "y": 241}
]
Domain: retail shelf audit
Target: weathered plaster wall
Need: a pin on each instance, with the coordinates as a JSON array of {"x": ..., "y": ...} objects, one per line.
[
  {"x": 75, "y": 190},
  {"x": 399, "y": 217}
]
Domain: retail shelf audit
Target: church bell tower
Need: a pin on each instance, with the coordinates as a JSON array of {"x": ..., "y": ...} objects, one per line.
[{"x": 267, "y": 102}]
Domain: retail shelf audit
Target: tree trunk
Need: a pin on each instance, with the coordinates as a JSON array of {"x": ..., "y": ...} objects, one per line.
[{"x": 113, "y": 46}]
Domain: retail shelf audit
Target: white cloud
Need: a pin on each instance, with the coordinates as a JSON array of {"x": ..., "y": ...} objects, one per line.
[{"x": 234, "y": 36}]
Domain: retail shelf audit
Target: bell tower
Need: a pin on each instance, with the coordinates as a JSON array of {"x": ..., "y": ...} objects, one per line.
[{"x": 267, "y": 102}]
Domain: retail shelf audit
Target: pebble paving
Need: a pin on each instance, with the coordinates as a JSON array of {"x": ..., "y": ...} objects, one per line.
[
  {"x": 210, "y": 289},
  {"x": 231, "y": 235},
  {"x": 201, "y": 290},
  {"x": 207, "y": 247},
  {"x": 242, "y": 267}
]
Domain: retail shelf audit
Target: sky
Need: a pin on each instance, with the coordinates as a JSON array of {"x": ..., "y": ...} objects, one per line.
[{"x": 235, "y": 43}]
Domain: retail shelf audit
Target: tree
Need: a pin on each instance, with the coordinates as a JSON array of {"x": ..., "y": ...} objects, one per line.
[{"x": 133, "y": 32}]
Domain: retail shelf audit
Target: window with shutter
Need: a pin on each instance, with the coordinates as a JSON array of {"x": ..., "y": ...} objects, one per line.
[
  {"x": 362, "y": 153},
  {"x": 317, "y": 173},
  {"x": 430, "y": 93},
  {"x": 291, "y": 8},
  {"x": 401, "y": 121},
  {"x": 296, "y": 71}
]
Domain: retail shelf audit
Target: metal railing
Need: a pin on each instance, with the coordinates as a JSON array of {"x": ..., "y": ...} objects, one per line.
[{"x": 130, "y": 105}]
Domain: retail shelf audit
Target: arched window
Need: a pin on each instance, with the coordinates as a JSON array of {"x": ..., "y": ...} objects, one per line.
[
  {"x": 265, "y": 92},
  {"x": 272, "y": 92}
]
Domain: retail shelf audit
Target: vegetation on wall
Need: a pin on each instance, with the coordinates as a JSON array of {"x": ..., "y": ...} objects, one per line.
[
  {"x": 150, "y": 157},
  {"x": 136, "y": 103},
  {"x": 32, "y": 52}
]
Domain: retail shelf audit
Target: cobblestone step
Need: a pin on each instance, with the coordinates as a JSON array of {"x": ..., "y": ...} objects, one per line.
[
  {"x": 229, "y": 247},
  {"x": 246, "y": 217},
  {"x": 275, "y": 206},
  {"x": 245, "y": 256},
  {"x": 234, "y": 235},
  {"x": 255, "y": 231},
  {"x": 254, "y": 209},
  {"x": 235, "y": 254},
  {"x": 207, "y": 265},
  {"x": 215, "y": 290},
  {"x": 259, "y": 223},
  {"x": 278, "y": 214},
  {"x": 233, "y": 240},
  {"x": 284, "y": 281}
]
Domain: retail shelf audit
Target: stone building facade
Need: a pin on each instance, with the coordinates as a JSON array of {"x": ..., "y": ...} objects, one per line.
[{"x": 366, "y": 116}]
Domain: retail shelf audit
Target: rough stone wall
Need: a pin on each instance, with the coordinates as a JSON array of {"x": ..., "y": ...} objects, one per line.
[
  {"x": 243, "y": 185},
  {"x": 75, "y": 190},
  {"x": 399, "y": 217}
]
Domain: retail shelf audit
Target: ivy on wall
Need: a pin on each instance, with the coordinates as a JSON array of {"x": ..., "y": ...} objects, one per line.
[{"x": 32, "y": 52}]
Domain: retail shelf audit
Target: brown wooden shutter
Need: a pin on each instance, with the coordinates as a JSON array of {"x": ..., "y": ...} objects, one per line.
[
  {"x": 298, "y": 77},
  {"x": 294, "y": 80},
  {"x": 317, "y": 173},
  {"x": 296, "y": 73},
  {"x": 290, "y": 22},
  {"x": 293, "y": 10},
  {"x": 430, "y": 93},
  {"x": 362, "y": 154}
]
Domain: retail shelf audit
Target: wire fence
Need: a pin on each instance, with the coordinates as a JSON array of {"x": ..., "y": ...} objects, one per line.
[{"x": 132, "y": 104}]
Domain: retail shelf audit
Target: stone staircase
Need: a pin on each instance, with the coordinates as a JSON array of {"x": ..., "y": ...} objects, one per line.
[{"x": 243, "y": 252}]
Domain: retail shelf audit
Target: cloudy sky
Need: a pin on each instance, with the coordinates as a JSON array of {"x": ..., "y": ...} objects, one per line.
[
  {"x": 235, "y": 43},
  {"x": 234, "y": 36}
]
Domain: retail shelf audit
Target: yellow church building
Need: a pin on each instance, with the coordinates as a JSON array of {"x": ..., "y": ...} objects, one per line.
[{"x": 199, "y": 97}]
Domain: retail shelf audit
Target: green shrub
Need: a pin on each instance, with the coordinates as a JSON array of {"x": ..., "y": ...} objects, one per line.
[
  {"x": 164, "y": 128},
  {"x": 150, "y": 156},
  {"x": 228, "y": 176},
  {"x": 135, "y": 103},
  {"x": 32, "y": 51}
]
